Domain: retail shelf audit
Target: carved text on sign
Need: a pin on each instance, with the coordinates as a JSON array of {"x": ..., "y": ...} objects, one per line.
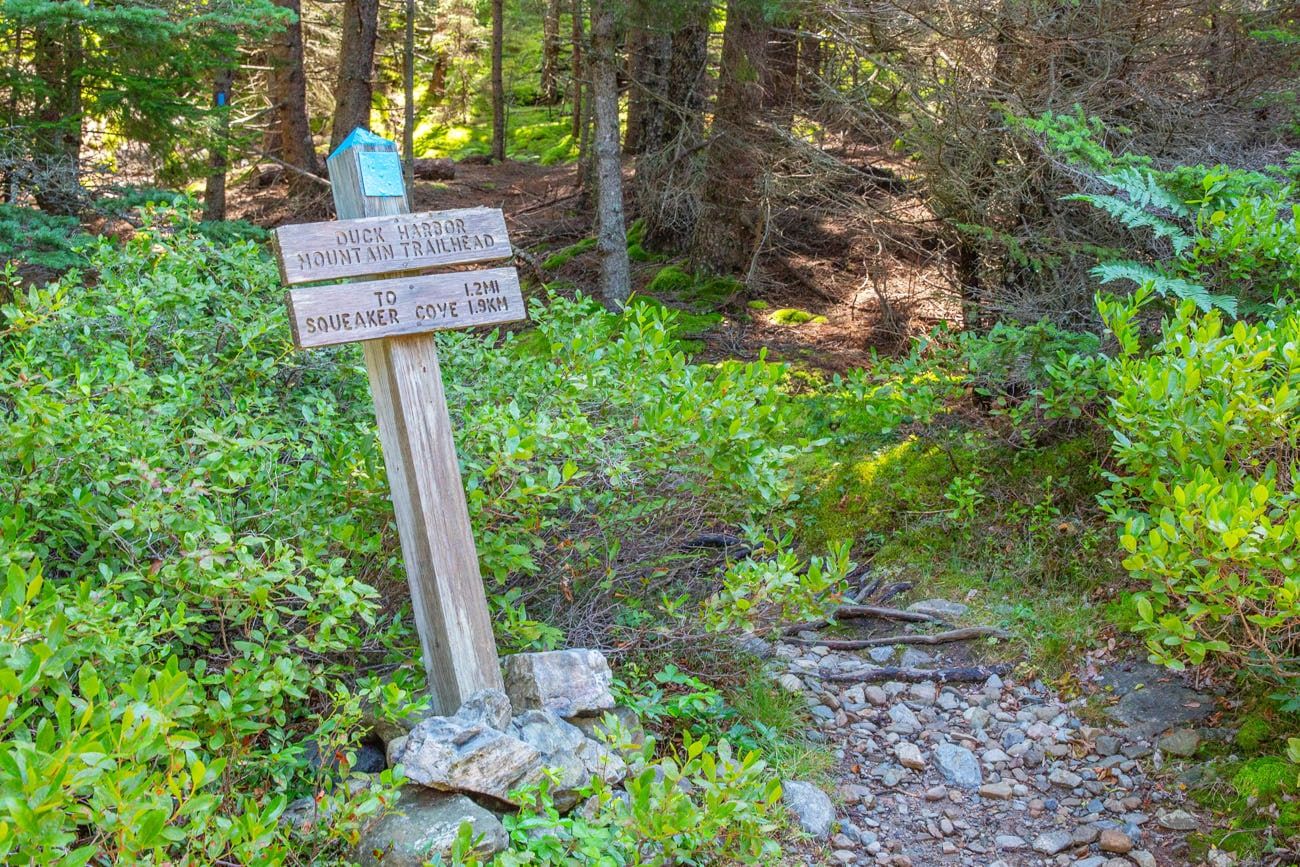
[
  {"x": 325, "y": 315},
  {"x": 405, "y": 242}
]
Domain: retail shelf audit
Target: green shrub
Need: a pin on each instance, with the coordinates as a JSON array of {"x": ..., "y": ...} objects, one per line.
[
  {"x": 697, "y": 805},
  {"x": 1205, "y": 436},
  {"x": 35, "y": 238},
  {"x": 196, "y": 539}
]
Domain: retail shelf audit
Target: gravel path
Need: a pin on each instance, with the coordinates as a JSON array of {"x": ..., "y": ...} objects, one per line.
[{"x": 995, "y": 774}]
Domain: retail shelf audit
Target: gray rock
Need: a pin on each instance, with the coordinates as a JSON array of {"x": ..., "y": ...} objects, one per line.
[
  {"x": 1115, "y": 841},
  {"x": 881, "y": 654},
  {"x": 1066, "y": 779},
  {"x": 958, "y": 766},
  {"x": 1143, "y": 858},
  {"x": 1051, "y": 842},
  {"x": 572, "y": 758},
  {"x": 913, "y": 658},
  {"x": 569, "y": 682},
  {"x": 790, "y": 683},
  {"x": 456, "y": 754},
  {"x": 1177, "y": 820},
  {"x": 488, "y": 706},
  {"x": 1091, "y": 861},
  {"x": 997, "y": 791},
  {"x": 1180, "y": 742},
  {"x": 1152, "y": 699},
  {"x": 811, "y": 806},
  {"x": 941, "y": 608},
  {"x": 876, "y": 695},
  {"x": 1107, "y": 745},
  {"x": 1009, "y": 843},
  {"x": 909, "y": 756},
  {"x": 903, "y": 717},
  {"x": 423, "y": 825}
]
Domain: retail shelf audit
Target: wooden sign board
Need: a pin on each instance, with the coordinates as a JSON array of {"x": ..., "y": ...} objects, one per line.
[
  {"x": 375, "y": 238},
  {"x": 310, "y": 252},
  {"x": 325, "y": 315}
]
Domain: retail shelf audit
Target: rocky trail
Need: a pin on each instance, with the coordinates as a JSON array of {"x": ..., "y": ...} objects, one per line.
[{"x": 995, "y": 773}]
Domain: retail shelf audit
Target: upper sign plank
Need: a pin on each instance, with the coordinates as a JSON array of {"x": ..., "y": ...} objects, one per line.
[
  {"x": 325, "y": 315},
  {"x": 384, "y": 245}
]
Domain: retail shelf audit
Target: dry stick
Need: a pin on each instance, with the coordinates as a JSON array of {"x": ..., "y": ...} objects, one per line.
[
  {"x": 974, "y": 674},
  {"x": 888, "y": 640},
  {"x": 863, "y": 612}
]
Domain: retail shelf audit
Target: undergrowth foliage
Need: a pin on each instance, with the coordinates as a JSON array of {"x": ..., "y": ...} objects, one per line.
[{"x": 197, "y": 548}]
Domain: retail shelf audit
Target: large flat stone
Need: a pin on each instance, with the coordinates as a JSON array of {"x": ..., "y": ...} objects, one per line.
[
  {"x": 456, "y": 754},
  {"x": 422, "y": 826},
  {"x": 568, "y": 682}
]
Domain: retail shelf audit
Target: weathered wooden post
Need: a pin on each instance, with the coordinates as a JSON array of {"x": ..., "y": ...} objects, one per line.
[{"x": 377, "y": 234}]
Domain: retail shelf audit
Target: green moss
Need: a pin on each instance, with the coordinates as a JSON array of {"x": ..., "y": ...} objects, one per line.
[
  {"x": 1253, "y": 733},
  {"x": 637, "y": 253},
  {"x": 1265, "y": 777},
  {"x": 757, "y": 304},
  {"x": 563, "y": 257},
  {"x": 671, "y": 280},
  {"x": 795, "y": 316}
]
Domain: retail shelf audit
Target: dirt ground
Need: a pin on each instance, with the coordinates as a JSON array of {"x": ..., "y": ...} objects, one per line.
[{"x": 874, "y": 287}]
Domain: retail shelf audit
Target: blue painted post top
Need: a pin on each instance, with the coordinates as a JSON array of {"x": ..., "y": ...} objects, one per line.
[
  {"x": 377, "y": 163},
  {"x": 362, "y": 136}
]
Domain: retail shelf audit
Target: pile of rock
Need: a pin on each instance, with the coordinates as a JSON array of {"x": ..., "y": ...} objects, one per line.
[
  {"x": 993, "y": 773},
  {"x": 465, "y": 767}
]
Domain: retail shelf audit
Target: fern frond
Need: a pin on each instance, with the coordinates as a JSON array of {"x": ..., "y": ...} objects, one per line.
[
  {"x": 1145, "y": 191},
  {"x": 1136, "y": 218},
  {"x": 1163, "y": 284}
]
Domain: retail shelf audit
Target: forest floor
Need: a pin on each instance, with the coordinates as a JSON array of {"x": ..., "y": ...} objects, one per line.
[{"x": 1011, "y": 770}]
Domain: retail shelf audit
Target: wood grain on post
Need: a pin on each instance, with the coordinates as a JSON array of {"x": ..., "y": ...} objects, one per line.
[{"x": 451, "y": 613}]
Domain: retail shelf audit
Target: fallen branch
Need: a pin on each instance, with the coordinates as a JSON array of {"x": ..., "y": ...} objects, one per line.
[
  {"x": 865, "y": 612},
  {"x": 973, "y": 674},
  {"x": 887, "y": 640}
]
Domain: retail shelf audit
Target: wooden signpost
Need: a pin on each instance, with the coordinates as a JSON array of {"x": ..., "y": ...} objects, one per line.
[{"x": 377, "y": 236}]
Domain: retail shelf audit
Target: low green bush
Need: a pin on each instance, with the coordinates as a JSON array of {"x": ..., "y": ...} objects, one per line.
[
  {"x": 1205, "y": 437},
  {"x": 197, "y": 546}
]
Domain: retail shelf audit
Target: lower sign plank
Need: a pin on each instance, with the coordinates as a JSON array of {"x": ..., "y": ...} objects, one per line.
[{"x": 325, "y": 315}]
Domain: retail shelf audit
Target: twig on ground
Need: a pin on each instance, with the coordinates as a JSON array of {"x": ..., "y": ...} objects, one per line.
[
  {"x": 887, "y": 640},
  {"x": 971, "y": 674},
  {"x": 864, "y": 612}
]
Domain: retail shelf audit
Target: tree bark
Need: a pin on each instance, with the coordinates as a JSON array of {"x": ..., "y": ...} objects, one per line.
[
  {"x": 731, "y": 222},
  {"x": 408, "y": 98},
  {"x": 672, "y": 130},
  {"x": 649, "y": 51},
  {"x": 611, "y": 238},
  {"x": 354, "y": 88},
  {"x": 288, "y": 87},
  {"x": 551, "y": 53},
  {"x": 498, "y": 84},
  {"x": 214, "y": 190},
  {"x": 576, "y": 75},
  {"x": 57, "y": 55},
  {"x": 781, "y": 74}
]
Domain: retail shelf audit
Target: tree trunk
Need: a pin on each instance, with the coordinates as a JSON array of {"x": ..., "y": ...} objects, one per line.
[
  {"x": 214, "y": 191},
  {"x": 354, "y": 89},
  {"x": 672, "y": 131},
  {"x": 498, "y": 85},
  {"x": 781, "y": 74},
  {"x": 408, "y": 98},
  {"x": 57, "y": 57},
  {"x": 551, "y": 53},
  {"x": 731, "y": 222},
  {"x": 611, "y": 238},
  {"x": 648, "y": 54},
  {"x": 576, "y": 75},
  {"x": 288, "y": 87}
]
